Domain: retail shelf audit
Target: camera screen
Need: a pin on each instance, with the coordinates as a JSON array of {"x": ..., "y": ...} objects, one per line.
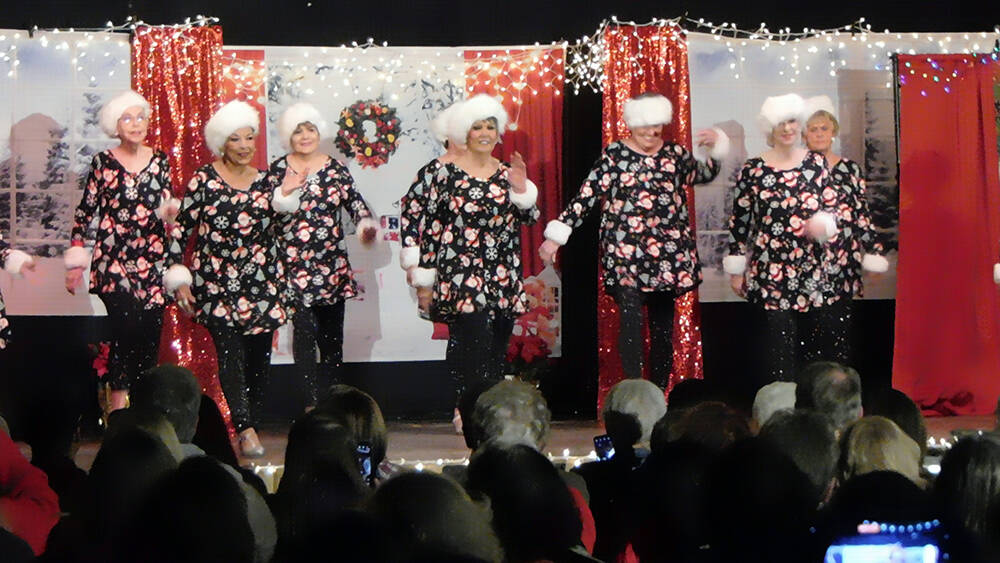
[
  {"x": 603, "y": 447},
  {"x": 888, "y": 543}
]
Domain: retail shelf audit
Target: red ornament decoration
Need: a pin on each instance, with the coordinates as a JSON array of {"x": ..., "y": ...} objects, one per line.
[
  {"x": 179, "y": 71},
  {"x": 662, "y": 68},
  {"x": 353, "y": 141}
]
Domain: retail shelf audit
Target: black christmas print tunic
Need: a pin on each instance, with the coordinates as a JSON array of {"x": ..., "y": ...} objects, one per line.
[
  {"x": 313, "y": 244},
  {"x": 472, "y": 238},
  {"x": 858, "y": 235},
  {"x": 238, "y": 275},
  {"x": 130, "y": 239},
  {"x": 412, "y": 205},
  {"x": 646, "y": 237},
  {"x": 786, "y": 269}
]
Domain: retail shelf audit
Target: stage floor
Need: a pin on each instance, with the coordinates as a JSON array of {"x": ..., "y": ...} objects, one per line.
[{"x": 410, "y": 443}]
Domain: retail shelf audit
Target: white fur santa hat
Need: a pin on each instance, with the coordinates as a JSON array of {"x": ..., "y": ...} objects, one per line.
[
  {"x": 231, "y": 117},
  {"x": 818, "y": 103},
  {"x": 112, "y": 111},
  {"x": 648, "y": 109},
  {"x": 476, "y": 108},
  {"x": 296, "y": 115},
  {"x": 440, "y": 124},
  {"x": 777, "y": 109}
]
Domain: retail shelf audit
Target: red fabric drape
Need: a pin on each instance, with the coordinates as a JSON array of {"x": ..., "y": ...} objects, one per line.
[
  {"x": 947, "y": 347},
  {"x": 534, "y": 104},
  {"x": 179, "y": 71},
  {"x": 663, "y": 69}
]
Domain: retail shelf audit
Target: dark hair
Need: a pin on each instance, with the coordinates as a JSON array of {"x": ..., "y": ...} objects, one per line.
[
  {"x": 173, "y": 391},
  {"x": 714, "y": 425},
  {"x": 899, "y": 408},
  {"x": 878, "y": 496},
  {"x": 197, "y": 513},
  {"x": 691, "y": 392},
  {"x": 832, "y": 389},
  {"x": 428, "y": 514},
  {"x": 358, "y": 412},
  {"x": 809, "y": 440},
  {"x": 533, "y": 511},
  {"x": 321, "y": 478},
  {"x": 968, "y": 487}
]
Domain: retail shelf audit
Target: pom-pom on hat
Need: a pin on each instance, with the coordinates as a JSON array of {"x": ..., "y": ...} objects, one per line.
[
  {"x": 476, "y": 108},
  {"x": 439, "y": 125},
  {"x": 818, "y": 103},
  {"x": 113, "y": 110},
  {"x": 231, "y": 117},
  {"x": 646, "y": 110},
  {"x": 777, "y": 109},
  {"x": 295, "y": 115}
]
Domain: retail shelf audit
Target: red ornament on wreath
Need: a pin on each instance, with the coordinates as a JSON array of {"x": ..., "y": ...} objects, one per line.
[{"x": 354, "y": 143}]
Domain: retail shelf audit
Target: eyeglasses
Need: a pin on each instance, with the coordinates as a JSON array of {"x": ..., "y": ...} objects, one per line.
[{"x": 128, "y": 119}]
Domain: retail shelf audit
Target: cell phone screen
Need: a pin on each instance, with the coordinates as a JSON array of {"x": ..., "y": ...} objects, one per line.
[
  {"x": 889, "y": 543},
  {"x": 603, "y": 447},
  {"x": 365, "y": 462}
]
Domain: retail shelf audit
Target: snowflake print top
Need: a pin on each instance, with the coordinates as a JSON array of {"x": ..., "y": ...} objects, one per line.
[
  {"x": 239, "y": 277},
  {"x": 858, "y": 236},
  {"x": 472, "y": 237},
  {"x": 313, "y": 244},
  {"x": 413, "y": 204},
  {"x": 646, "y": 237},
  {"x": 130, "y": 240},
  {"x": 786, "y": 269},
  {"x": 5, "y": 251}
]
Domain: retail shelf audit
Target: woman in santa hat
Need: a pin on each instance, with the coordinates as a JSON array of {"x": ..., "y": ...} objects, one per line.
[
  {"x": 315, "y": 247},
  {"x": 236, "y": 286},
  {"x": 785, "y": 214},
  {"x": 470, "y": 247},
  {"x": 649, "y": 252},
  {"x": 126, "y": 201}
]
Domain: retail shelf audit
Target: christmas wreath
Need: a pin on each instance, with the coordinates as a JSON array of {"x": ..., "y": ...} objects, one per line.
[{"x": 351, "y": 138}]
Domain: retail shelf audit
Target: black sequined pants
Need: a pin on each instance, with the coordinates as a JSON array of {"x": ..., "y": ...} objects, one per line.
[
  {"x": 660, "y": 313},
  {"x": 793, "y": 339},
  {"x": 135, "y": 338},
  {"x": 321, "y": 326},
  {"x": 477, "y": 348},
  {"x": 244, "y": 366}
]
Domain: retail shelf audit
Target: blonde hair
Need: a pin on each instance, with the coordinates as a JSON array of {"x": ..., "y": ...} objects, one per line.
[
  {"x": 875, "y": 443},
  {"x": 819, "y": 114}
]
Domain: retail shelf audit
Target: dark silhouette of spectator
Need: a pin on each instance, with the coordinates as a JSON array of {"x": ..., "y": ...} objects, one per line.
[
  {"x": 534, "y": 514},
  {"x": 51, "y": 433},
  {"x": 899, "y": 408},
  {"x": 195, "y": 514},
  {"x": 358, "y": 412},
  {"x": 688, "y": 393},
  {"x": 29, "y": 508},
  {"x": 832, "y": 389},
  {"x": 967, "y": 491},
  {"x": 808, "y": 439},
  {"x": 431, "y": 518},
  {"x": 174, "y": 392},
  {"x": 14, "y": 549},
  {"x": 875, "y": 443},
  {"x": 211, "y": 435},
  {"x": 713, "y": 424}
]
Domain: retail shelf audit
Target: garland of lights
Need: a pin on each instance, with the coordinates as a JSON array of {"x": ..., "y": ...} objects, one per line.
[{"x": 351, "y": 139}]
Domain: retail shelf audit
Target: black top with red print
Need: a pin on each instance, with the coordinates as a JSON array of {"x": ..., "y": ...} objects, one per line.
[
  {"x": 472, "y": 237},
  {"x": 129, "y": 244},
  {"x": 786, "y": 269},
  {"x": 239, "y": 277},
  {"x": 858, "y": 235},
  {"x": 412, "y": 205},
  {"x": 646, "y": 236},
  {"x": 313, "y": 244}
]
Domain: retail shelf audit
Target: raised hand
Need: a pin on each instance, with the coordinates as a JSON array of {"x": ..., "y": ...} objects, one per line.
[
  {"x": 28, "y": 266},
  {"x": 739, "y": 285},
  {"x": 518, "y": 173},
  {"x": 547, "y": 251},
  {"x": 185, "y": 299},
  {"x": 74, "y": 277},
  {"x": 424, "y": 297},
  {"x": 293, "y": 180},
  {"x": 706, "y": 137}
]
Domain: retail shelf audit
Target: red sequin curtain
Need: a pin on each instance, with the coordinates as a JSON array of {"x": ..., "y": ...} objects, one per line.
[
  {"x": 947, "y": 345},
  {"x": 530, "y": 82},
  {"x": 662, "y": 68},
  {"x": 179, "y": 71}
]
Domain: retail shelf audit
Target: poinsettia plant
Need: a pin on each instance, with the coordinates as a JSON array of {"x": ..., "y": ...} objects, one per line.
[
  {"x": 528, "y": 356},
  {"x": 100, "y": 352}
]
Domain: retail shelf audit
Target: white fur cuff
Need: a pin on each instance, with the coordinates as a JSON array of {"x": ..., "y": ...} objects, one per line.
[
  {"x": 76, "y": 257},
  {"x": 558, "y": 232},
  {"x": 424, "y": 277},
  {"x": 996, "y": 273},
  {"x": 409, "y": 257},
  {"x": 285, "y": 203},
  {"x": 734, "y": 265},
  {"x": 719, "y": 150},
  {"x": 828, "y": 223},
  {"x": 166, "y": 204},
  {"x": 875, "y": 263},
  {"x": 15, "y": 260},
  {"x": 368, "y": 223},
  {"x": 176, "y": 276},
  {"x": 527, "y": 199}
]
